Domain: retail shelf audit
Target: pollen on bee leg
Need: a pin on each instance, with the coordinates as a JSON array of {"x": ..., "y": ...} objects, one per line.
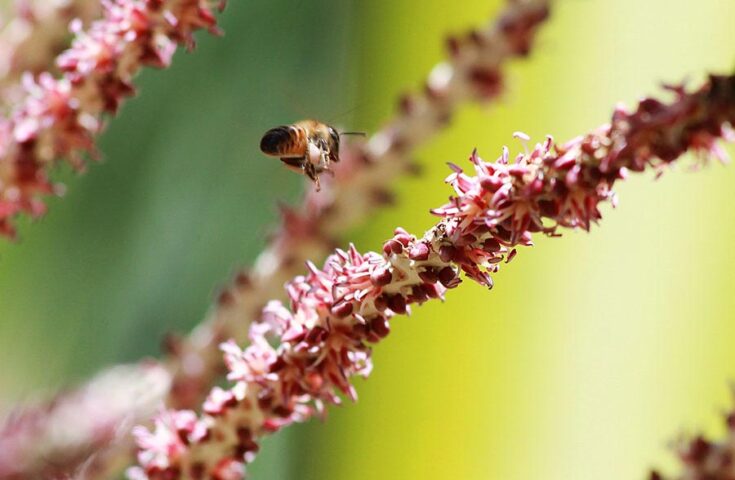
[
  {"x": 311, "y": 171},
  {"x": 314, "y": 154},
  {"x": 317, "y": 162}
]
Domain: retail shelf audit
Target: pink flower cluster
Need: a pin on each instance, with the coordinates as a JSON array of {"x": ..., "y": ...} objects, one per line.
[
  {"x": 60, "y": 117},
  {"x": 336, "y": 312},
  {"x": 302, "y": 359}
]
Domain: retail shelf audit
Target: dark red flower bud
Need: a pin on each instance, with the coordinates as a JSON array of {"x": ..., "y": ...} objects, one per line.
[
  {"x": 381, "y": 277},
  {"x": 380, "y": 326},
  {"x": 342, "y": 309},
  {"x": 397, "y": 303},
  {"x": 448, "y": 277},
  {"x": 420, "y": 251},
  {"x": 428, "y": 275}
]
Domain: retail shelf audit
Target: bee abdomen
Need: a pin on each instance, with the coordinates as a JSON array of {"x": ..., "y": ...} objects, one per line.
[{"x": 284, "y": 141}]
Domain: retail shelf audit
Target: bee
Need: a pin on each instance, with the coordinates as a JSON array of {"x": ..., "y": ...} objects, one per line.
[{"x": 308, "y": 147}]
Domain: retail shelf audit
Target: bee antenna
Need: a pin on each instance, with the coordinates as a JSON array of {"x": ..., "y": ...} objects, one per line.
[{"x": 362, "y": 134}]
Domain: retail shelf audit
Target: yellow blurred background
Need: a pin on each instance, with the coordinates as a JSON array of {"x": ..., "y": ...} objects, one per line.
[{"x": 593, "y": 352}]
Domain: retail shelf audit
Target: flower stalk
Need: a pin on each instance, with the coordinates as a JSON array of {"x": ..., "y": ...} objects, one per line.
[{"x": 301, "y": 359}]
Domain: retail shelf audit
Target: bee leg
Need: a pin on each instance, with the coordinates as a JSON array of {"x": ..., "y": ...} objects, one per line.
[
  {"x": 313, "y": 173},
  {"x": 329, "y": 158},
  {"x": 324, "y": 166}
]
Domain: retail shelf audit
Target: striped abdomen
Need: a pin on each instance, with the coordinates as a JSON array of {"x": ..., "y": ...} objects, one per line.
[{"x": 284, "y": 141}]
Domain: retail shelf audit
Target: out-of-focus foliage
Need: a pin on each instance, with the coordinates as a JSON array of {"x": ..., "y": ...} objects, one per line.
[{"x": 591, "y": 353}]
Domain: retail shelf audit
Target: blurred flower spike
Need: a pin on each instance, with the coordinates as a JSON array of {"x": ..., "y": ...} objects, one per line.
[
  {"x": 59, "y": 117},
  {"x": 302, "y": 359}
]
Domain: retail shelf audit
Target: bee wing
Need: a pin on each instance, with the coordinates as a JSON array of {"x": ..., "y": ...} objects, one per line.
[{"x": 294, "y": 163}]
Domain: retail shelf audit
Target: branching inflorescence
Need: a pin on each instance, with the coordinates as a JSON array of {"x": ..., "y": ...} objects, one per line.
[
  {"x": 302, "y": 359},
  {"x": 474, "y": 71},
  {"x": 59, "y": 117}
]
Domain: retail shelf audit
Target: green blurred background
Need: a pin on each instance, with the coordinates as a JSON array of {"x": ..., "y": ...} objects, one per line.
[{"x": 592, "y": 353}]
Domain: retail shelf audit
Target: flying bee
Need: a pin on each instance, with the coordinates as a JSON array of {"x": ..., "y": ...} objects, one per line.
[{"x": 307, "y": 147}]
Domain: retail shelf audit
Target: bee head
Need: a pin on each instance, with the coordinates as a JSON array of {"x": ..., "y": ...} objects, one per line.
[{"x": 334, "y": 140}]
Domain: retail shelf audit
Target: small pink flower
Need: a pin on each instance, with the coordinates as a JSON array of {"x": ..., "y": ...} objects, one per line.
[
  {"x": 170, "y": 438},
  {"x": 250, "y": 365}
]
